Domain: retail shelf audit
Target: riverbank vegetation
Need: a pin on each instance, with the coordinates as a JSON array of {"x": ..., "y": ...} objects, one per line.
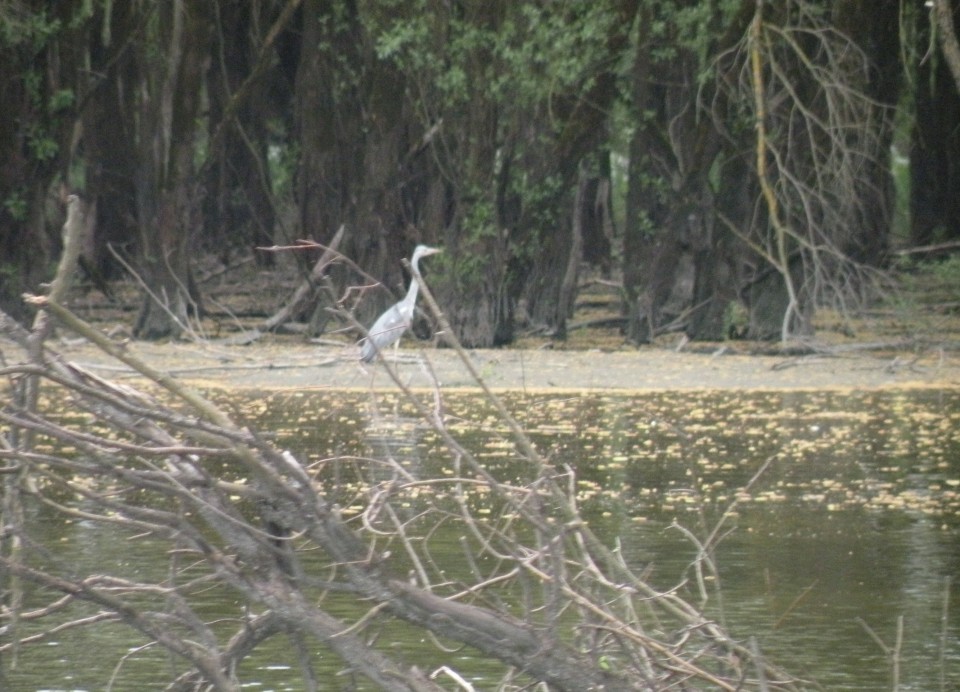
[
  {"x": 733, "y": 167},
  {"x": 692, "y": 173}
]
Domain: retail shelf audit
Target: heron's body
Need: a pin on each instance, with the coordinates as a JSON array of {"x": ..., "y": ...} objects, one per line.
[{"x": 391, "y": 325}]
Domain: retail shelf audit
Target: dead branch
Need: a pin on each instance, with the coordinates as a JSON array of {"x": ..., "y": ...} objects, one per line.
[
  {"x": 934, "y": 250},
  {"x": 942, "y": 16},
  {"x": 307, "y": 290},
  {"x": 141, "y": 463}
]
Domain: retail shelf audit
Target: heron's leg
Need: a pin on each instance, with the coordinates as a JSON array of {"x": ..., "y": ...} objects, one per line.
[
  {"x": 366, "y": 370},
  {"x": 418, "y": 359},
  {"x": 396, "y": 364}
]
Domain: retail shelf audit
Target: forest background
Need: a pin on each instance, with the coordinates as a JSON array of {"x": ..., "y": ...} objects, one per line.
[
  {"x": 731, "y": 166},
  {"x": 734, "y": 165}
]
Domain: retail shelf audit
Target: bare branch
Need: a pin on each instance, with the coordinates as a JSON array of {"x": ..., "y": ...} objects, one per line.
[
  {"x": 942, "y": 16},
  {"x": 143, "y": 469}
]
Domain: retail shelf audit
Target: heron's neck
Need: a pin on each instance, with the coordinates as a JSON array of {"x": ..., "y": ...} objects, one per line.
[
  {"x": 412, "y": 291},
  {"x": 414, "y": 284}
]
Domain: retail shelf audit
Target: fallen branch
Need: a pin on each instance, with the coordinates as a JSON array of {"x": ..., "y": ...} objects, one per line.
[
  {"x": 231, "y": 510},
  {"x": 307, "y": 290},
  {"x": 929, "y": 250}
]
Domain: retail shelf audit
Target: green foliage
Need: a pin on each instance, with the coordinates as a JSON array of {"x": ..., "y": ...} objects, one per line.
[
  {"x": 441, "y": 58},
  {"x": 524, "y": 58},
  {"x": 478, "y": 226},
  {"x": 550, "y": 49},
  {"x": 927, "y": 296},
  {"x": 16, "y": 205},
  {"x": 338, "y": 29},
  {"x": 698, "y": 25},
  {"x": 9, "y": 274},
  {"x": 24, "y": 36},
  {"x": 946, "y": 275},
  {"x": 736, "y": 319},
  {"x": 539, "y": 198},
  {"x": 930, "y": 275},
  {"x": 505, "y": 80},
  {"x": 480, "y": 220},
  {"x": 61, "y": 100},
  {"x": 282, "y": 161},
  {"x": 408, "y": 39},
  {"x": 42, "y": 146},
  {"x": 398, "y": 42},
  {"x": 21, "y": 27}
]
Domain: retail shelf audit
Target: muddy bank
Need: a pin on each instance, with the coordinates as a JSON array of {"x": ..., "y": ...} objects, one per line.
[{"x": 274, "y": 365}]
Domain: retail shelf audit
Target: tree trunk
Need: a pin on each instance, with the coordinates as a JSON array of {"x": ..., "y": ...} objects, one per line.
[
  {"x": 581, "y": 140},
  {"x": 238, "y": 204},
  {"x": 599, "y": 231},
  {"x": 663, "y": 218},
  {"x": 385, "y": 209},
  {"x": 170, "y": 295},
  {"x": 768, "y": 300},
  {"x": 568, "y": 286},
  {"x": 35, "y": 54},
  {"x": 715, "y": 278},
  {"x": 875, "y": 27},
  {"x": 166, "y": 196},
  {"x": 475, "y": 294},
  {"x": 474, "y": 289},
  {"x": 946, "y": 32},
  {"x": 935, "y": 149},
  {"x": 328, "y": 122},
  {"x": 110, "y": 151},
  {"x": 359, "y": 143},
  {"x": 560, "y": 242},
  {"x": 680, "y": 263}
]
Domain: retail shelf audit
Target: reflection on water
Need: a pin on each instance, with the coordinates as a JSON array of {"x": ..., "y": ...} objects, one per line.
[
  {"x": 854, "y": 524},
  {"x": 393, "y": 444}
]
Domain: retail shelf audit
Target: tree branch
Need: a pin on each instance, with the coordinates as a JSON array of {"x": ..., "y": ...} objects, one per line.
[{"x": 942, "y": 18}]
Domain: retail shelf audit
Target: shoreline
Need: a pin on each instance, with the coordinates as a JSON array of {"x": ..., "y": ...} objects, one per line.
[{"x": 283, "y": 365}]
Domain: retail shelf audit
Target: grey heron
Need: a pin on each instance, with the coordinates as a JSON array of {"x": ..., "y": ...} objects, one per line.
[{"x": 391, "y": 325}]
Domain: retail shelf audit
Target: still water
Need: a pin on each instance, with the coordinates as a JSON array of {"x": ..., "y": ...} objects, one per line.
[{"x": 853, "y": 527}]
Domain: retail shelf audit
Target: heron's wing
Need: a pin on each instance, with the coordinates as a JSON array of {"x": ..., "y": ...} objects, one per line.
[
  {"x": 387, "y": 330},
  {"x": 389, "y": 326}
]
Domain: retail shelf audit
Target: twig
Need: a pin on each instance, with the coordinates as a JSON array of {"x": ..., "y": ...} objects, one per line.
[
  {"x": 944, "y": 633},
  {"x": 892, "y": 653},
  {"x": 794, "y": 603},
  {"x": 593, "y": 545}
]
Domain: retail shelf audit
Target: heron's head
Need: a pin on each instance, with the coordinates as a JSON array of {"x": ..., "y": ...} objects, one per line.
[{"x": 424, "y": 251}]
